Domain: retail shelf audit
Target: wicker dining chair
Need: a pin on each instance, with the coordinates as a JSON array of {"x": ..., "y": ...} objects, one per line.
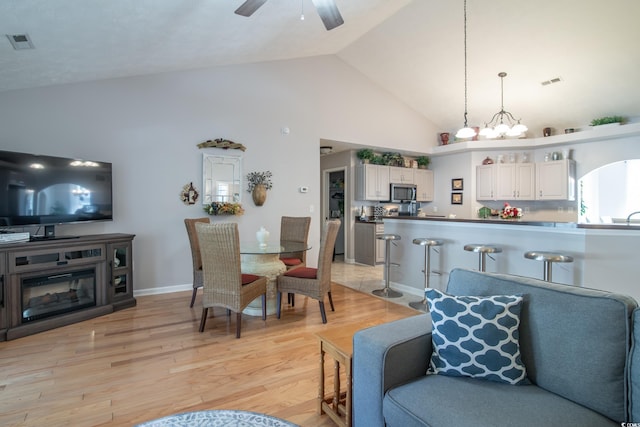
[
  {"x": 224, "y": 284},
  {"x": 294, "y": 229},
  {"x": 196, "y": 259},
  {"x": 313, "y": 282}
]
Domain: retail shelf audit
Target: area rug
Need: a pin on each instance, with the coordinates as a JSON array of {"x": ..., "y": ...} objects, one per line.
[{"x": 217, "y": 418}]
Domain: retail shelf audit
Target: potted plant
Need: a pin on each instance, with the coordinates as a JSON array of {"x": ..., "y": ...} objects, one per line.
[
  {"x": 365, "y": 155},
  {"x": 257, "y": 184},
  {"x": 423, "y": 162},
  {"x": 378, "y": 160},
  {"x": 393, "y": 159},
  {"x": 607, "y": 120}
]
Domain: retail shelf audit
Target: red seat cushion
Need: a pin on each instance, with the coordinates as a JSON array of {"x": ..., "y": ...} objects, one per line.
[
  {"x": 303, "y": 273},
  {"x": 291, "y": 261},
  {"x": 248, "y": 278}
]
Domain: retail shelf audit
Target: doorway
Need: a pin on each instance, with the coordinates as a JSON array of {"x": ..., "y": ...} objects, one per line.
[{"x": 334, "y": 202}]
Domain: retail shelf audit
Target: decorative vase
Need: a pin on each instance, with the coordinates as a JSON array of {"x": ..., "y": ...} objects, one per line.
[
  {"x": 259, "y": 194},
  {"x": 263, "y": 236}
]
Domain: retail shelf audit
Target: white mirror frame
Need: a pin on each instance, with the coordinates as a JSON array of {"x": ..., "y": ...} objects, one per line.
[{"x": 221, "y": 178}]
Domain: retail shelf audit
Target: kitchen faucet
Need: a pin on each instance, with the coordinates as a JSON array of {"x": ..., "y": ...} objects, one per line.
[{"x": 630, "y": 215}]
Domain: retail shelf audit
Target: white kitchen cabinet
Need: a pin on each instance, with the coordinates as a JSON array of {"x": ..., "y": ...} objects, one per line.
[
  {"x": 486, "y": 182},
  {"x": 423, "y": 178},
  {"x": 515, "y": 181},
  {"x": 399, "y": 175},
  {"x": 372, "y": 182},
  {"x": 556, "y": 180}
]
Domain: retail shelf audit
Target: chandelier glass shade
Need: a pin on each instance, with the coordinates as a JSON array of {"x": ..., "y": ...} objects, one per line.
[{"x": 503, "y": 124}]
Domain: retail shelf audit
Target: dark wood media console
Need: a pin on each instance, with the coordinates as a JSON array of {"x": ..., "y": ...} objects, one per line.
[{"x": 47, "y": 284}]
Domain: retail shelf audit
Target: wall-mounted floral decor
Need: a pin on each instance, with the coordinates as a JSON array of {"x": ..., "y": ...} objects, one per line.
[
  {"x": 257, "y": 184},
  {"x": 224, "y": 208}
]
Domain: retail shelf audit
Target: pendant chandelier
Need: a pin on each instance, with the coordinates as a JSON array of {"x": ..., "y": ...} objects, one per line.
[
  {"x": 466, "y": 131},
  {"x": 503, "y": 123}
]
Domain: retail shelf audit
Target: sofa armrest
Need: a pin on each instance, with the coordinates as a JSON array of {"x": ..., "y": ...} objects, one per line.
[{"x": 385, "y": 356}]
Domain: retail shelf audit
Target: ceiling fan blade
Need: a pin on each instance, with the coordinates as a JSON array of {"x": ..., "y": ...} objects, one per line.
[
  {"x": 329, "y": 13},
  {"x": 249, "y": 6}
]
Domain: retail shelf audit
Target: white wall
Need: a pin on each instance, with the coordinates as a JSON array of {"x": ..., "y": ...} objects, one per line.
[{"x": 149, "y": 126}]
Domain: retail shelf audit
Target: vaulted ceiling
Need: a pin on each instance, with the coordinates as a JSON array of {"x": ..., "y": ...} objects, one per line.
[{"x": 411, "y": 48}]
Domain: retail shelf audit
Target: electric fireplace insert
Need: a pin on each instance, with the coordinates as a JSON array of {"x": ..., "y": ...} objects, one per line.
[{"x": 51, "y": 295}]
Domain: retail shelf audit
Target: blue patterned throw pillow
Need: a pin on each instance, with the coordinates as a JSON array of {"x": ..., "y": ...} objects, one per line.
[{"x": 476, "y": 337}]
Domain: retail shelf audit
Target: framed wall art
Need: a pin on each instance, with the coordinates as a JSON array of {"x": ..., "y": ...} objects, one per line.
[
  {"x": 456, "y": 198},
  {"x": 457, "y": 184}
]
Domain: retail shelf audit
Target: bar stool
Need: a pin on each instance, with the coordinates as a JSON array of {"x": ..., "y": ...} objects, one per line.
[
  {"x": 427, "y": 243},
  {"x": 549, "y": 258},
  {"x": 387, "y": 292},
  {"x": 482, "y": 250}
]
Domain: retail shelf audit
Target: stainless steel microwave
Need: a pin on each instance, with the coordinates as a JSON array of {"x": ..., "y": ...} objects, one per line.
[{"x": 402, "y": 193}]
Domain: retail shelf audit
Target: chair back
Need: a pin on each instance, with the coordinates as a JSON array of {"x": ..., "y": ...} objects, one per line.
[
  {"x": 220, "y": 250},
  {"x": 295, "y": 229},
  {"x": 325, "y": 255},
  {"x": 190, "y": 223}
]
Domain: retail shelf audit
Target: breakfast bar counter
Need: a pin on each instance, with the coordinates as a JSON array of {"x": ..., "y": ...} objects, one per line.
[{"x": 605, "y": 256}]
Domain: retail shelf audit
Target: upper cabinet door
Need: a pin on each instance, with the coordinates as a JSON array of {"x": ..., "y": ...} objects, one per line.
[
  {"x": 372, "y": 182},
  {"x": 555, "y": 180},
  {"x": 526, "y": 181},
  {"x": 516, "y": 181},
  {"x": 399, "y": 175},
  {"x": 485, "y": 182},
  {"x": 423, "y": 178},
  {"x": 505, "y": 181}
]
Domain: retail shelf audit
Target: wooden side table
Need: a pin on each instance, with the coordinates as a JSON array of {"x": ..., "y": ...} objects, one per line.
[{"x": 337, "y": 343}]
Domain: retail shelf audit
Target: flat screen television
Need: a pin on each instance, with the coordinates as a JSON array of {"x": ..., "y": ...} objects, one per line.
[{"x": 47, "y": 190}]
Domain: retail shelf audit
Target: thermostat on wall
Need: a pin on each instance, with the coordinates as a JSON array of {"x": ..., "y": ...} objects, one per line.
[{"x": 304, "y": 189}]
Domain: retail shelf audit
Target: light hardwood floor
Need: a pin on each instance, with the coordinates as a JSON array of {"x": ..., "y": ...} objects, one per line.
[{"x": 150, "y": 361}]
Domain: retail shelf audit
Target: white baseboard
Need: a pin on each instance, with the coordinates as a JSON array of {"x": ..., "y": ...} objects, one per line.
[{"x": 162, "y": 290}]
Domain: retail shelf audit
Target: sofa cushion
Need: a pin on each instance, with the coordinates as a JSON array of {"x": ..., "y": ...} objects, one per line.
[
  {"x": 574, "y": 341},
  {"x": 437, "y": 400},
  {"x": 476, "y": 336},
  {"x": 634, "y": 371}
]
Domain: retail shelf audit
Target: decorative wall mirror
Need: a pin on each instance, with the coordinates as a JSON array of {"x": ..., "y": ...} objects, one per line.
[{"x": 222, "y": 178}]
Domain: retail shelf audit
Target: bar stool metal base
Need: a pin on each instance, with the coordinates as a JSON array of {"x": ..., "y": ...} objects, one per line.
[
  {"x": 427, "y": 243},
  {"x": 548, "y": 258},
  {"x": 482, "y": 251},
  {"x": 387, "y": 292},
  {"x": 419, "y": 305}
]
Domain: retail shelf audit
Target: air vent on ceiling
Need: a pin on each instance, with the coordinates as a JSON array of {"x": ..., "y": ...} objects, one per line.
[
  {"x": 553, "y": 80},
  {"x": 20, "y": 41}
]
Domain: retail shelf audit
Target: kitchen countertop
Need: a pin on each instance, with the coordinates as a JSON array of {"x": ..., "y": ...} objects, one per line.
[{"x": 620, "y": 227}]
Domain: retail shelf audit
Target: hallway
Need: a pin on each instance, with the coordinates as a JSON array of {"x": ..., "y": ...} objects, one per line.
[{"x": 365, "y": 279}]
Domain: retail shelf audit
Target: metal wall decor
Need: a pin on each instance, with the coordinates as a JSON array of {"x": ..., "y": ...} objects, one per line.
[{"x": 221, "y": 143}]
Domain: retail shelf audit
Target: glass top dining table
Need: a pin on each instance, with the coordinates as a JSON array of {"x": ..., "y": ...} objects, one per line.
[
  {"x": 278, "y": 247},
  {"x": 265, "y": 261}
]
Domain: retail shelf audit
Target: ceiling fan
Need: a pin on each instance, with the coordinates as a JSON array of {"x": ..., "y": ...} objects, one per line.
[{"x": 327, "y": 10}]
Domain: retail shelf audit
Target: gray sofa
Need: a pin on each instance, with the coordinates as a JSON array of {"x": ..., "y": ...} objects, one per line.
[{"x": 575, "y": 343}]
